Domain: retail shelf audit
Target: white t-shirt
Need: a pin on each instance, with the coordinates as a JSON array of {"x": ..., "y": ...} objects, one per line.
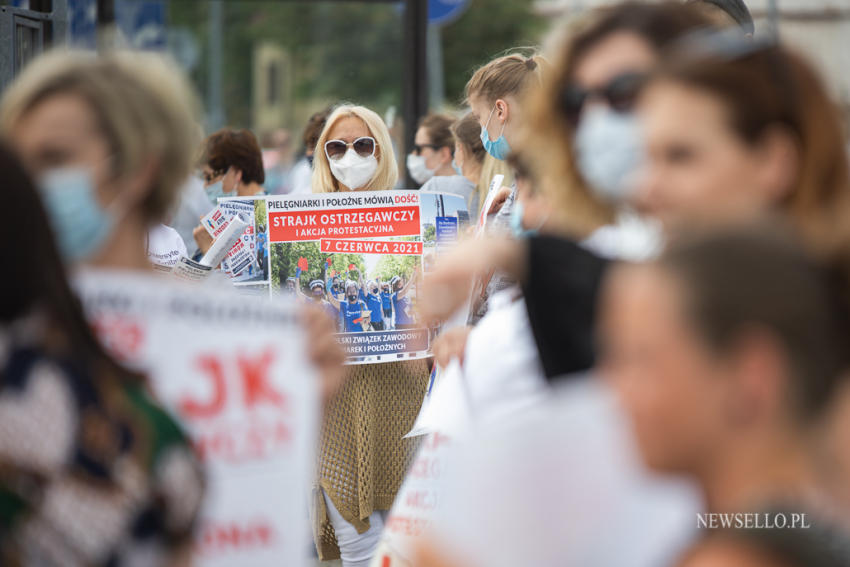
[
  {"x": 631, "y": 238},
  {"x": 301, "y": 177},
  {"x": 502, "y": 369},
  {"x": 560, "y": 485},
  {"x": 456, "y": 185},
  {"x": 192, "y": 205},
  {"x": 165, "y": 247}
]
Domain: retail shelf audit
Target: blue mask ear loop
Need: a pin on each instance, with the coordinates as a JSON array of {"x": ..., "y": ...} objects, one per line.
[{"x": 487, "y": 126}]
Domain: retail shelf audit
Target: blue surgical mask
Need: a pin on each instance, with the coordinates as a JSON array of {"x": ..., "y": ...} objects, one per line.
[
  {"x": 216, "y": 191},
  {"x": 498, "y": 148},
  {"x": 80, "y": 224},
  {"x": 456, "y": 167},
  {"x": 609, "y": 151},
  {"x": 515, "y": 222}
]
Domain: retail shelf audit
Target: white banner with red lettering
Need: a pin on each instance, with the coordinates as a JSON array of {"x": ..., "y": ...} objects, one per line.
[{"x": 232, "y": 369}]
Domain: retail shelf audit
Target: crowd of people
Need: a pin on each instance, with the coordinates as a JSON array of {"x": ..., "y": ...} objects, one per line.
[
  {"x": 657, "y": 293},
  {"x": 356, "y": 306}
]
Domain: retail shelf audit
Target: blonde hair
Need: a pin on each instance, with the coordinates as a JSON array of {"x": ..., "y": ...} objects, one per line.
[
  {"x": 546, "y": 138},
  {"x": 467, "y": 133},
  {"x": 491, "y": 167},
  {"x": 387, "y": 173},
  {"x": 547, "y": 145},
  {"x": 507, "y": 75},
  {"x": 144, "y": 106}
]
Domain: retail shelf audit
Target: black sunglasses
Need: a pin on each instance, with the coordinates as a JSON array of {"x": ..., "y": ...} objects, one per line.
[
  {"x": 417, "y": 148},
  {"x": 620, "y": 94},
  {"x": 364, "y": 147}
]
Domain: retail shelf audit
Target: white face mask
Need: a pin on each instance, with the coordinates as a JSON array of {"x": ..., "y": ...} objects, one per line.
[
  {"x": 354, "y": 171},
  {"x": 418, "y": 170},
  {"x": 609, "y": 152}
]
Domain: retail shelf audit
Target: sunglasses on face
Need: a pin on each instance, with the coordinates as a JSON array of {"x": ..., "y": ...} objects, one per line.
[
  {"x": 417, "y": 148},
  {"x": 364, "y": 147},
  {"x": 620, "y": 94}
]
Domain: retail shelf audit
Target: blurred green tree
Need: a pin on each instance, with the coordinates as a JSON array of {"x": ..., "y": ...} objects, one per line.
[
  {"x": 485, "y": 30},
  {"x": 346, "y": 51},
  {"x": 390, "y": 266}
]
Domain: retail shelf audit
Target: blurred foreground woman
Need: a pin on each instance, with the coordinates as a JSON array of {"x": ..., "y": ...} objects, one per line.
[
  {"x": 109, "y": 140},
  {"x": 92, "y": 471},
  {"x": 726, "y": 354},
  {"x": 581, "y": 139},
  {"x": 762, "y": 134}
]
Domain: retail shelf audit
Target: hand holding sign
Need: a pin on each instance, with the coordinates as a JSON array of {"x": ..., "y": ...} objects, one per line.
[
  {"x": 448, "y": 286},
  {"x": 302, "y": 264},
  {"x": 499, "y": 200},
  {"x": 202, "y": 238},
  {"x": 324, "y": 350},
  {"x": 451, "y": 344}
]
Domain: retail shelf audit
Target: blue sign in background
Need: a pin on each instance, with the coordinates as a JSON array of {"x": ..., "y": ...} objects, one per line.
[
  {"x": 142, "y": 22},
  {"x": 446, "y": 229},
  {"x": 445, "y": 11}
]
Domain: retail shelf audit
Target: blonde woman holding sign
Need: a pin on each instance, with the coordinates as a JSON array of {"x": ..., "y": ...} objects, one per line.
[{"x": 363, "y": 456}]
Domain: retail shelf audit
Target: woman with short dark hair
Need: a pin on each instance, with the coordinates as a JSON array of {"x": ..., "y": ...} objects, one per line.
[{"x": 232, "y": 164}]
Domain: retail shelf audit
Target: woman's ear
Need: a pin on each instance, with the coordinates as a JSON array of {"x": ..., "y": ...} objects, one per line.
[
  {"x": 458, "y": 155},
  {"x": 779, "y": 155},
  {"x": 446, "y": 155},
  {"x": 502, "y": 110},
  {"x": 137, "y": 187}
]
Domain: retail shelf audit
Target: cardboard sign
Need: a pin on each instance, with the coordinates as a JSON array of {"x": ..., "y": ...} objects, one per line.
[{"x": 232, "y": 370}]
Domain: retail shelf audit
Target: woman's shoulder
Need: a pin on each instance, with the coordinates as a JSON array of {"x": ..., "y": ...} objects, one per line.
[
  {"x": 38, "y": 381},
  {"x": 448, "y": 184},
  {"x": 63, "y": 415}
]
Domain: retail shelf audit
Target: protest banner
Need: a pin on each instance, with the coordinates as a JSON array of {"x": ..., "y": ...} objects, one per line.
[
  {"x": 190, "y": 270},
  {"x": 232, "y": 370},
  {"x": 412, "y": 513},
  {"x": 445, "y": 414},
  {"x": 361, "y": 256},
  {"x": 246, "y": 260}
]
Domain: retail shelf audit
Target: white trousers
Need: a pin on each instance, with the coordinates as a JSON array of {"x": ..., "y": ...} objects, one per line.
[{"x": 355, "y": 550}]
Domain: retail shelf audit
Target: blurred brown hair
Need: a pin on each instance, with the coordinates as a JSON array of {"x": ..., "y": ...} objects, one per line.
[
  {"x": 145, "y": 108},
  {"x": 762, "y": 277},
  {"x": 238, "y": 149},
  {"x": 766, "y": 87},
  {"x": 467, "y": 131},
  {"x": 548, "y": 134},
  {"x": 314, "y": 127},
  {"x": 438, "y": 127}
]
